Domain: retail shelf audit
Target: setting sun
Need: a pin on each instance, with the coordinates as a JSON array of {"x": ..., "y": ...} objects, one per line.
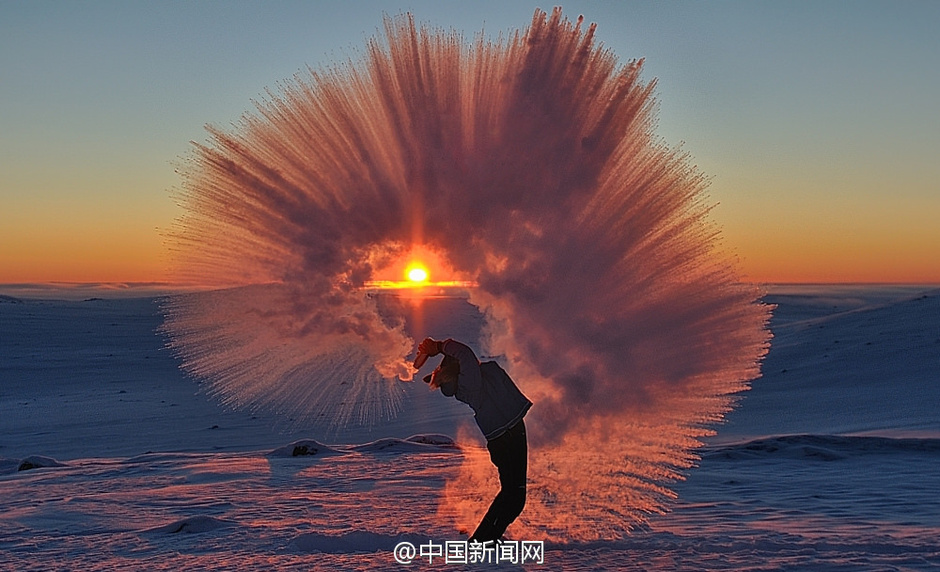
[
  {"x": 417, "y": 273},
  {"x": 422, "y": 270}
]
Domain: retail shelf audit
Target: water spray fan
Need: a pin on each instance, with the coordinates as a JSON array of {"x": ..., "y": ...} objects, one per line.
[{"x": 583, "y": 239}]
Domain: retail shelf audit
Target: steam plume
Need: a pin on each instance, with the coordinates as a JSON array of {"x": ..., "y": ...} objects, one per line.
[{"x": 530, "y": 164}]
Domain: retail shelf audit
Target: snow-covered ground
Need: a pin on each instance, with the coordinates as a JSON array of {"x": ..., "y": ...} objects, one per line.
[{"x": 110, "y": 459}]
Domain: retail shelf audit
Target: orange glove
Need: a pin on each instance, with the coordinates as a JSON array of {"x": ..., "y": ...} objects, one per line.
[
  {"x": 426, "y": 349},
  {"x": 430, "y": 347}
]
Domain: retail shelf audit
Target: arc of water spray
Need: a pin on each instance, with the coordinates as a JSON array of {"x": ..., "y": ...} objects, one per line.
[{"x": 539, "y": 177}]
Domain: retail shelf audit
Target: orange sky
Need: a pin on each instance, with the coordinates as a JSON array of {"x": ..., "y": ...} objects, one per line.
[
  {"x": 98, "y": 250},
  {"x": 821, "y": 148},
  {"x": 782, "y": 230}
]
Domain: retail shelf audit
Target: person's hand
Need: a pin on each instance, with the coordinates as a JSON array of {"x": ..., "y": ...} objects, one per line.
[{"x": 430, "y": 347}]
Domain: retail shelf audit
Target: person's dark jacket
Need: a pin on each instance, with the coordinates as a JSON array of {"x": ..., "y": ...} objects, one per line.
[{"x": 496, "y": 401}]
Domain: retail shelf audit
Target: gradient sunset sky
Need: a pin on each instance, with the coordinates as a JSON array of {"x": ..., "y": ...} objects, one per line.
[{"x": 818, "y": 122}]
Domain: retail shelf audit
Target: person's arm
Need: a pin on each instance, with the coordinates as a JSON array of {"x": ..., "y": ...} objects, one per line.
[{"x": 470, "y": 381}]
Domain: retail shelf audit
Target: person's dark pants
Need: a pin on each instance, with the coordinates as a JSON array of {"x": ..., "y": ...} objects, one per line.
[{"x": 508, "y": 452}]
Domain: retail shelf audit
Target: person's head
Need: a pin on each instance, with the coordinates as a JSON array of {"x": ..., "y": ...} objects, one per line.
[{"x": 446, "y": 372}]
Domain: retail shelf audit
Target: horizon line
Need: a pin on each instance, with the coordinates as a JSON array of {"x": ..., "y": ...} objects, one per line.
[{"x": 38, "y": 290}]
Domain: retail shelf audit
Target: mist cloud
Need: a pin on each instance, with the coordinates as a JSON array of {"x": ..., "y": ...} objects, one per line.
[{"x": 532, "y": 165}]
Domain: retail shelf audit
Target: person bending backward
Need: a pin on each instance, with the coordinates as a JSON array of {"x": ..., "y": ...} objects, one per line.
[{"x": 498, "y": 408}]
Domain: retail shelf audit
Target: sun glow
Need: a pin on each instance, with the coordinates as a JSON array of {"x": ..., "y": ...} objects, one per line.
[
  {"x": 416, "y": 270},
  {"x": 417, "y": 273},
  {"x": 417, "y": 277}
]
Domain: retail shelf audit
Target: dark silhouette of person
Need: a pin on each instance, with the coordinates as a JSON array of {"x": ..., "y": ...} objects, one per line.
[{"x": 498, "y": 408}]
